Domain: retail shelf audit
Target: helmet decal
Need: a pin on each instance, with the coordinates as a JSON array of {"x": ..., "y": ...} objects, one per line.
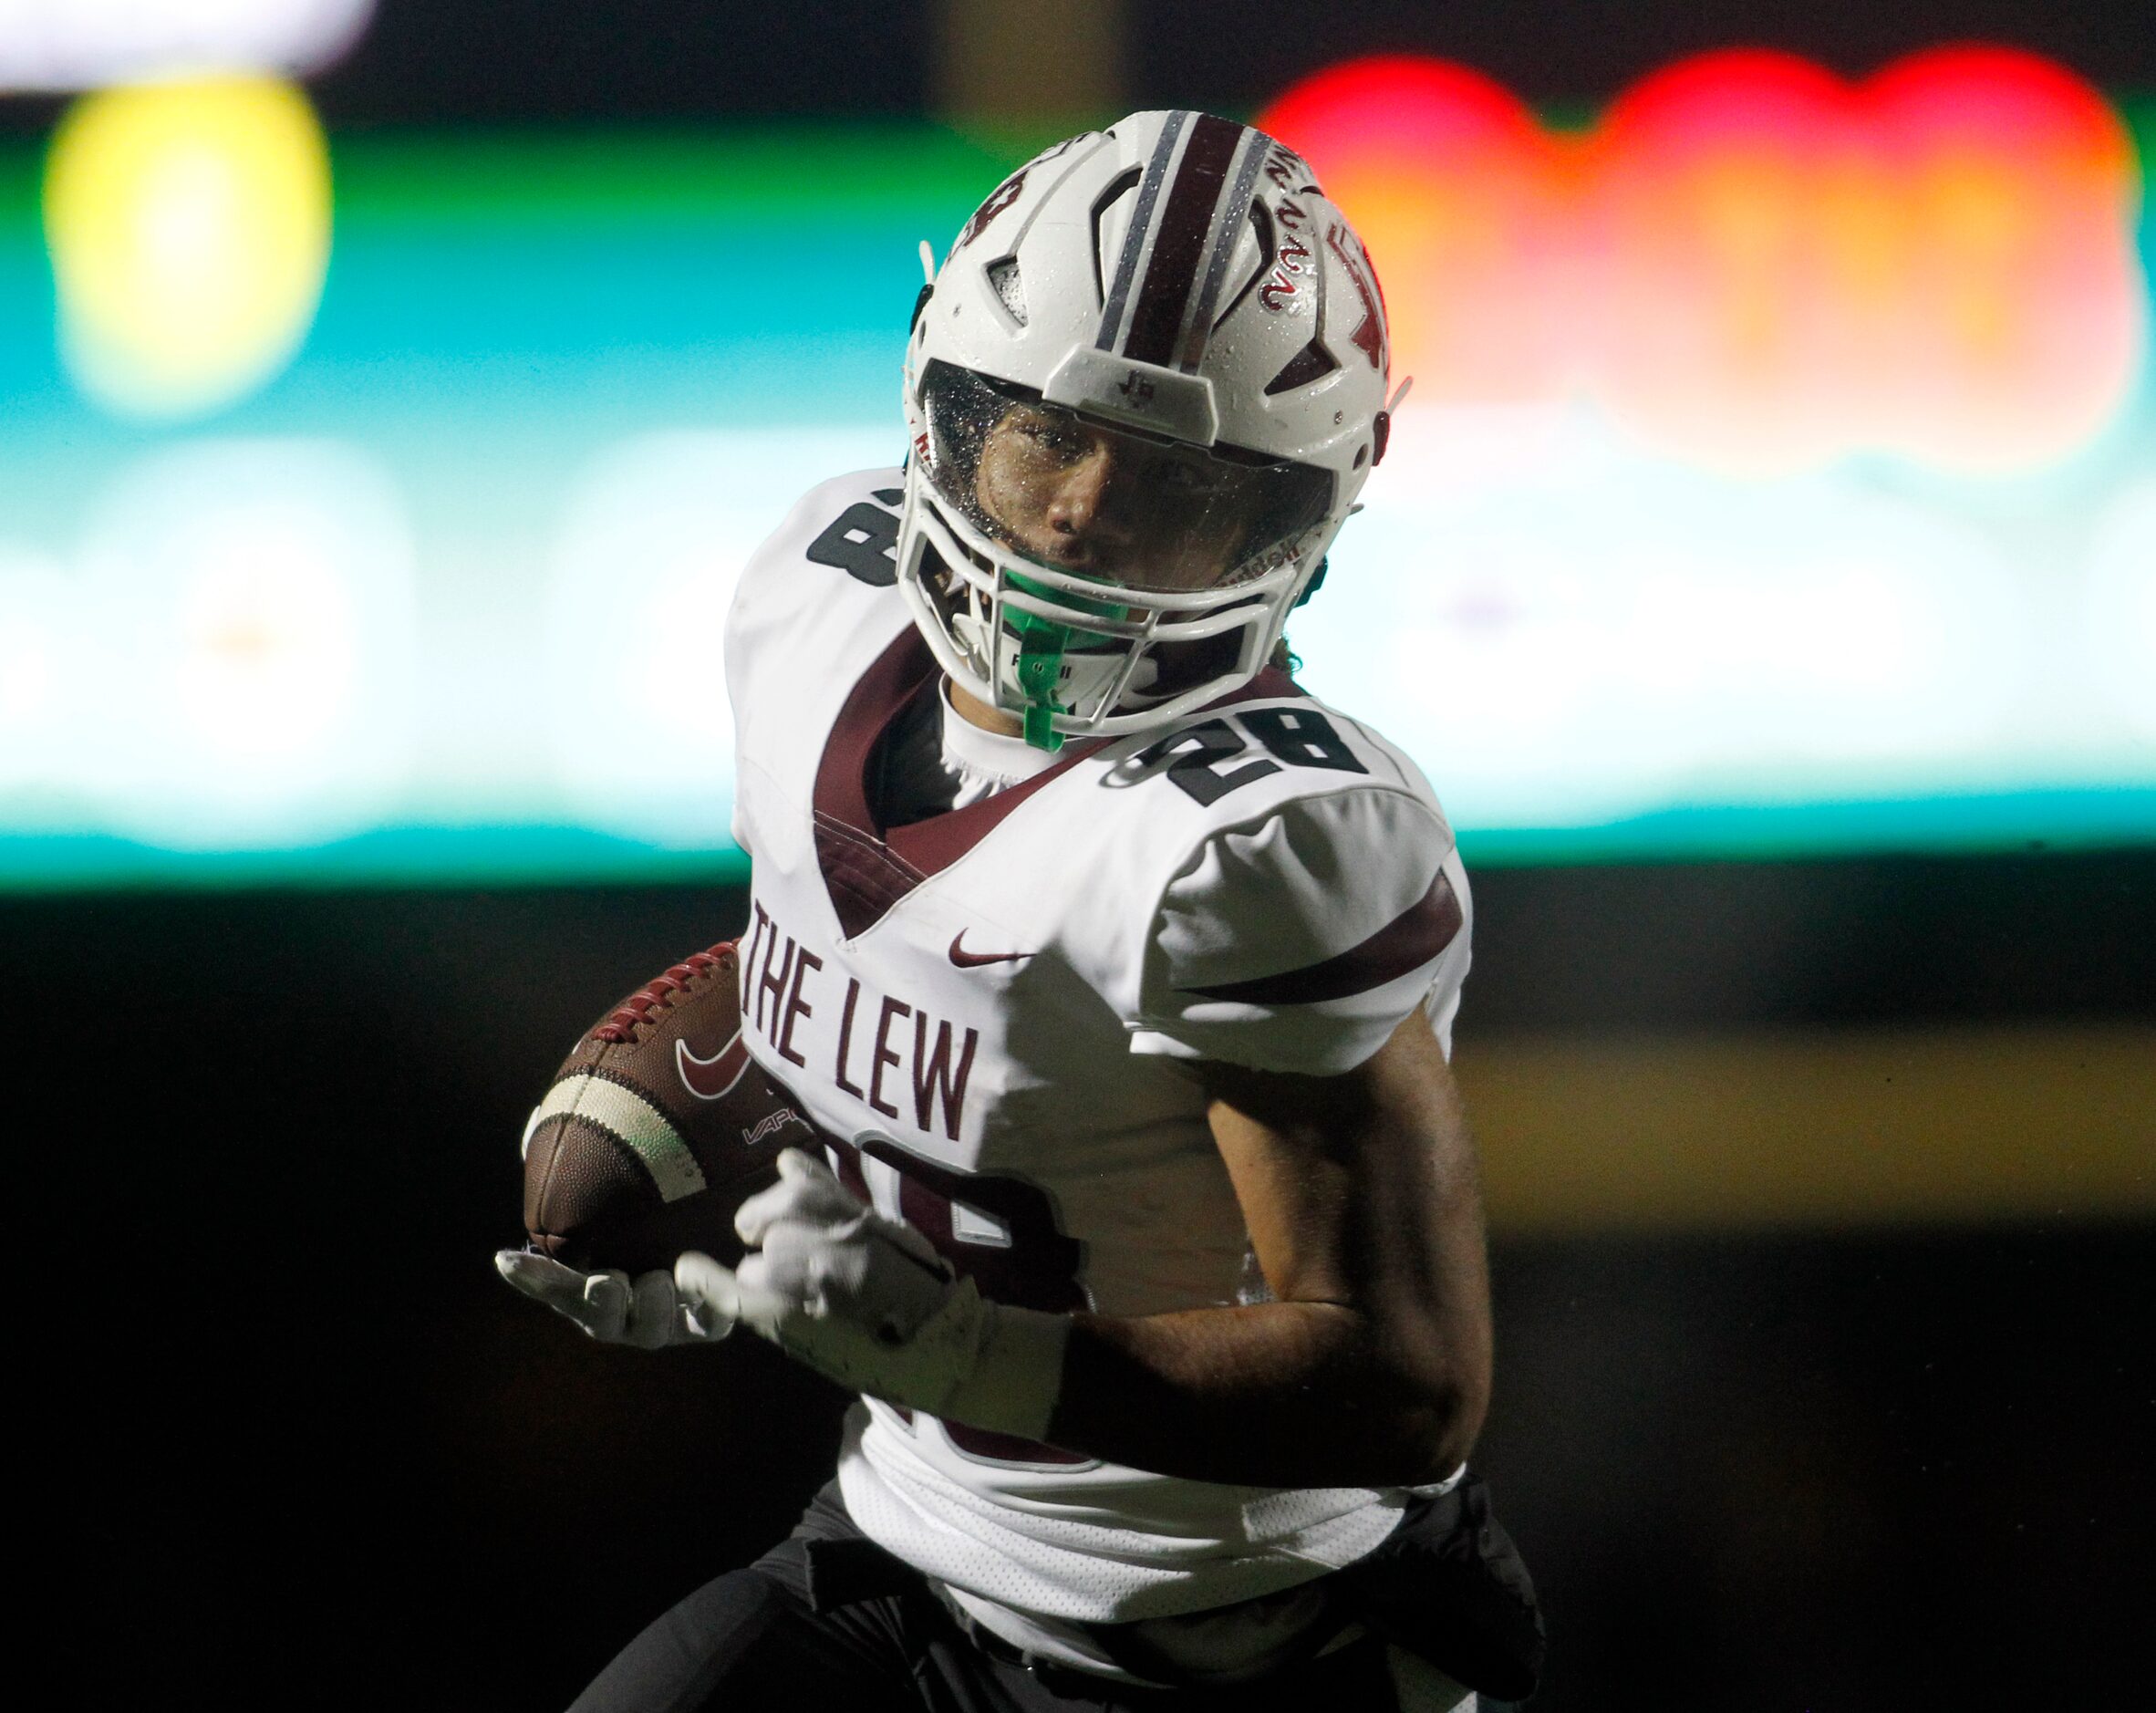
[
  {"x": 1369, "y": 337},
  {"x": 1289, "y": 171},
  {"x": 998, "y": 200},
  {"x": 1291, "y": 258}
]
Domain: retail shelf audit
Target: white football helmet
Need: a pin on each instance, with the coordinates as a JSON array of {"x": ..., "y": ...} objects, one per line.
[{"x": 1143, "y": 391}]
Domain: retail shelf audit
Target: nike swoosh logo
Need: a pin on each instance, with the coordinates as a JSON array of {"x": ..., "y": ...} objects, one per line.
[
  {"x": 711, "y": 1078},
  {"x": 973, "y": 960}
]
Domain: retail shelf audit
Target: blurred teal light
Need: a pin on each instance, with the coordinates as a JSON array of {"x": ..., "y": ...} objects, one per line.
[{"x": 440, "y": 601}]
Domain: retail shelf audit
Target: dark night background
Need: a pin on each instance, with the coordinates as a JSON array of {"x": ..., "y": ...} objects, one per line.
[
  {"x": 303, "y": 1447},
  {"x": 307, "y": 1442},
  {"x": 455, "y": 61}
]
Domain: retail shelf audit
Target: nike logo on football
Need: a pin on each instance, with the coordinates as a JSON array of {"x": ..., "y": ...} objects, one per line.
[
  {"x": 973, "y": 960},
  {"x": 711, "y": 1078}
]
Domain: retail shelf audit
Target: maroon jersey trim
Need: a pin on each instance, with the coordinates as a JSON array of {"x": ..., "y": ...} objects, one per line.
[
  {"x": 867, "y": 870},
  {"x": 1407, "y": 942}
]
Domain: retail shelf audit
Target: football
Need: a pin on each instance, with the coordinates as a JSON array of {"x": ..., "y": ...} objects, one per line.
[{"x": 657, "y": 1128}]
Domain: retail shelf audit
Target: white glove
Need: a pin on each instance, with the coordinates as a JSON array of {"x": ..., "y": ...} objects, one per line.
[
  {"x": 867, "y": 1302},
  {"x": 608, "y": 1305}
]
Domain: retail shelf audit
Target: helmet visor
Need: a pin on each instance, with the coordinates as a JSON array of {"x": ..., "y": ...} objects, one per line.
[{"x": 1074, "y": 495}]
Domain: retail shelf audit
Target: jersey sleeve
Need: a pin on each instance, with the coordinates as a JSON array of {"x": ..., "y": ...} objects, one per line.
[{"x": 1300, "y": 942}]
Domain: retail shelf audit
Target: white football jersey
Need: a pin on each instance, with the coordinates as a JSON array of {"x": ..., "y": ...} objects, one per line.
[{"x": 995, "y": 1010}]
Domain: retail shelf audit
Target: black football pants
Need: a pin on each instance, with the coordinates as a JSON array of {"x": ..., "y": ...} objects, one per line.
[{"x": 828, "y": 1622}]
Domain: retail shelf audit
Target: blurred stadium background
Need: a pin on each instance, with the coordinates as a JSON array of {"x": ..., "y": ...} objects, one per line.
[{"x": 1764, "y": 572}]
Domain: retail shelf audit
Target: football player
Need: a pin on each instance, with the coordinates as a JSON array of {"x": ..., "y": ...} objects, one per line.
[{"x": 1122, "y": 972}]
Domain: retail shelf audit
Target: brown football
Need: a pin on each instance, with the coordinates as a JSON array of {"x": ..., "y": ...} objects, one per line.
[{"x": 657, "y": 1128}]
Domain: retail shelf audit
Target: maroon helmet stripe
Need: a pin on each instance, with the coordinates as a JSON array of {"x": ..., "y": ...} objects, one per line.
[
  {"x": 1133, "y": 237},
  {"x": 1403, "y": 944},
  {"x": 1234, "y": 216},
  {"x": 1180, "y": 240}
]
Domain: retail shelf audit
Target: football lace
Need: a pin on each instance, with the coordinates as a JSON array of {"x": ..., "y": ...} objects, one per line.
[{"x": 660, "y": 992}]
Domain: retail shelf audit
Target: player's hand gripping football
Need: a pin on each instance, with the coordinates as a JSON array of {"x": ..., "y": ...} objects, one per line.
[
  {"x": 867, "y": 1302},
  {"x": 610, "y": 1306}
]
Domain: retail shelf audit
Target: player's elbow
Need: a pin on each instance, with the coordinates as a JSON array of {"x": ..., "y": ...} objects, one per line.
[
  {"x": 1436, "y": 1431},
  {"x": 1442, "y": 1394},
  {"x": 1456, "y": 1424}
]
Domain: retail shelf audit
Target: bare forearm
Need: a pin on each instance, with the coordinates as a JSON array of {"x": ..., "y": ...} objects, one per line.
[
  {"x": 1372, "y": 1368},
  {"x": 1275, "y": 1394}
]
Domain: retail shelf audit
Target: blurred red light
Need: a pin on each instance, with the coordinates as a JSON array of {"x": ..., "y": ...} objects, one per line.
[{"x": 1752, "y": 261}]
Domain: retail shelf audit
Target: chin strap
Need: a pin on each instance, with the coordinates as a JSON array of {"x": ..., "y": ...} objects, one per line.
[
  {"x": 1040, "y": 730},
  {"x": 1041, "y": 644}
]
